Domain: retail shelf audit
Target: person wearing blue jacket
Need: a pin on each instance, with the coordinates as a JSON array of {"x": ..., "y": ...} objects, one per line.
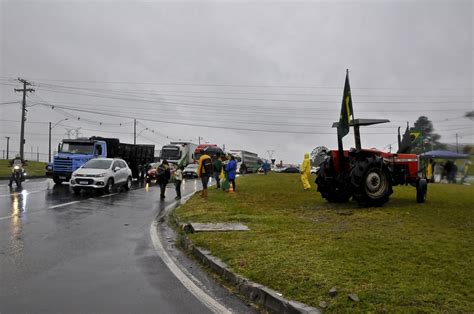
[{"x": 231, "y": 170}]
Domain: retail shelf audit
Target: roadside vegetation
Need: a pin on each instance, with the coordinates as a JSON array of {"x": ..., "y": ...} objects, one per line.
[
  {"x": 401, "y": 257},
  {"x": 33, "y": 168}
]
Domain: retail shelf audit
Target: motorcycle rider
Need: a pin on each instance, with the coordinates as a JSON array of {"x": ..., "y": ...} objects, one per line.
[{"x": 18, "y": 161}]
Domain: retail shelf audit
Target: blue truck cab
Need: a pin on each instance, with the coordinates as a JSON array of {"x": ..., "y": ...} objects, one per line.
[{"x": 72, "y": 154}]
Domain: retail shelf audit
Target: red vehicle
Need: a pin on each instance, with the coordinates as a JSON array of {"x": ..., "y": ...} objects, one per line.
[{"x": 367, "y": 175}]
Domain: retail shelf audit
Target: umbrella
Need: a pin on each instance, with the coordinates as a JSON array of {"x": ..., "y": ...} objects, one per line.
[
  {"x": 213, "y": 150},
  {"x": 444, "y": 154}
]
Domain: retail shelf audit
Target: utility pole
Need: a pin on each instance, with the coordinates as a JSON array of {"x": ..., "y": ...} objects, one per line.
[
  {"x": 50, "y": 128},
  {"x": 457, "y": 145},
  {"x": 199, "y": 140},
  {"x": 23, "y": 112},
  {"x": 134, "y": 131},
  {"x": 8, "y": 145}
]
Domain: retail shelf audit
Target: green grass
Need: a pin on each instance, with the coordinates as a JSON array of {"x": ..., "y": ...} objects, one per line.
[
  {"x": 33, "y": 168},
  {"x": 401, "y": 257}
]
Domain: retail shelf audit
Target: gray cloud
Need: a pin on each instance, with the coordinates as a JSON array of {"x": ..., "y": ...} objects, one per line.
[{"x": 400, "y": 45}]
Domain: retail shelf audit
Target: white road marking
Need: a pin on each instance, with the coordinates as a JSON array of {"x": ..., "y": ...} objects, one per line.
[
  {"x": 64, "y": 204},
  {"x": 187, "y": 282},
  {"x": 109, "y": 195},
  {"x": 7, "y": 217},
  {"x": 20, "y": 193}
]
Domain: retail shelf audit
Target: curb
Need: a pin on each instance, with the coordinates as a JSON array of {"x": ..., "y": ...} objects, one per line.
[{"x": 253, "y": 292}]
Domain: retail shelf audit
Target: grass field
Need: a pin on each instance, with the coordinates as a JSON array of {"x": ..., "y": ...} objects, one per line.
[
  {"x": 401, "y": 257},
  {"x": 33, "y": 168}
]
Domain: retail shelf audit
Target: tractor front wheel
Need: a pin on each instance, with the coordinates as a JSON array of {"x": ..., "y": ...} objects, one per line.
[{"x": 370, "y": 182}]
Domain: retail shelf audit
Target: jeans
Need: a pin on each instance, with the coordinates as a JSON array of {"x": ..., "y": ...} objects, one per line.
[{"x": 177, "y": 185}]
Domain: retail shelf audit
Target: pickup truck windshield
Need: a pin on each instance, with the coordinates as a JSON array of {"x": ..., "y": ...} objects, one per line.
[
  {"x": 97, "y": 164},
  {"x": 77, "y": 148}
]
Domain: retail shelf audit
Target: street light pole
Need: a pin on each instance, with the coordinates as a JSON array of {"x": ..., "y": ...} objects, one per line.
[
  {"x": 50, "y": 128},
  {"x": 8, "y": 145}
]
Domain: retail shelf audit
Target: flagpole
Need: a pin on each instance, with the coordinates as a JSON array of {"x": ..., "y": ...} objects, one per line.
[{"x": 356, "y": 127}]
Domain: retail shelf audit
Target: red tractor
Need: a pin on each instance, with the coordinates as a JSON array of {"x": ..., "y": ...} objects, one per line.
[{"x": 367, "y": 175}]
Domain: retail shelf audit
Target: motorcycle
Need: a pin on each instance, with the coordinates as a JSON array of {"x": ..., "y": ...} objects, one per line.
[{"x": 18, "y": 174}]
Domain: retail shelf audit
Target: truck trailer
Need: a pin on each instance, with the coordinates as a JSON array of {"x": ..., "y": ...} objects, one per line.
[
  {"x": 247, "y": 162},
  {"x": 73, "y": 153}
]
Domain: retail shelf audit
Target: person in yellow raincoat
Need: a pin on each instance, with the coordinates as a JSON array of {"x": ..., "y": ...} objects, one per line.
[{"x": 306, "y": 172}]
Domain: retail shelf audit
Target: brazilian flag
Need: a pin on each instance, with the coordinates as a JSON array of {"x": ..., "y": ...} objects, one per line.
[{"x": 346, "y": 110}]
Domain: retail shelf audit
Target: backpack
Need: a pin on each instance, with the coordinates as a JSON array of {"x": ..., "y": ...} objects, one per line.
[
  {"x": 160, "y": 171},
  {"x": 207, "y": 166}
]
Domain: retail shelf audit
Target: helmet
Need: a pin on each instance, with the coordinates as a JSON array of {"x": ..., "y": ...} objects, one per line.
[{"x": 17, "y": 156}]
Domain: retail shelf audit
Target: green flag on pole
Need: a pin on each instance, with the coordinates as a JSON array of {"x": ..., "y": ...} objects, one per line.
[{"x": 346, "y": 110}]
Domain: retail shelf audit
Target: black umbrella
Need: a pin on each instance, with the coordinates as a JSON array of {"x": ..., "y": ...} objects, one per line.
[{"x": 213, "y": 150}]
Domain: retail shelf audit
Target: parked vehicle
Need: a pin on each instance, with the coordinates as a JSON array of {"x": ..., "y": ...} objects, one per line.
[
  {"x": 151, "y": 172},
  {"x": 247, "y": 162},
  {"x": 367, "y": 175},
  {"x": 191, "y": 171},
  {"x": 102, "y": 174},
  {"x": 178, "y": 153},
  {"x": 73, "y": 153},
  {"x": 290, "y": 170}
]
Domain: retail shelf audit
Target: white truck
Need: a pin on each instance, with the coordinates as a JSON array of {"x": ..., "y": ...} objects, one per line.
[
  {"x": 247, "y": 162},
  {"x": 178, "y": 153}
]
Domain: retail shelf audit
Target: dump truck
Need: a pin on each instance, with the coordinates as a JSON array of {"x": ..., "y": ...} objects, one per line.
[{"x": 73, "y": 153}]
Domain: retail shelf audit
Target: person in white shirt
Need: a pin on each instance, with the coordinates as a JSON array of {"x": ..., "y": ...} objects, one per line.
[{"x": 178, "y": 178}]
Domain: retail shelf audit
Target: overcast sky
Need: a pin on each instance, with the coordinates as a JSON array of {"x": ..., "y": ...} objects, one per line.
[{"x": 240, "y": 67}]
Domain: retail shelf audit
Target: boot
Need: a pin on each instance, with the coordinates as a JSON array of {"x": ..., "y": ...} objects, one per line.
[{"x": 205, "y": 193}]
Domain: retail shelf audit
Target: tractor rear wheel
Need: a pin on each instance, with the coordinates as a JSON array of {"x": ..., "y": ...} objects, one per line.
[
  {"x": 421, "y": 190},
  {"x": 370, "y": 182},
  {"x": 328, "y": 185}
]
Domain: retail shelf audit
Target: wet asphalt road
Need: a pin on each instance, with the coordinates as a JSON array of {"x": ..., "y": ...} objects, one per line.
[{"x": 91, "y": 253}]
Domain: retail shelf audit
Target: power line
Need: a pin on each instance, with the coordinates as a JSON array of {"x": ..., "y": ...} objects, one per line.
[
  {"x": 124, "y": 93},
  {"x": 141, "y": 91},
  {"x": 108, "y": 96},
  {"x": 249, "y": 85},
  {"x": 9, "y": 102}
]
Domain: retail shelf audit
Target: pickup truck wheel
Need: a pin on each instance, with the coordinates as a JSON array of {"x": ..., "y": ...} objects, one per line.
[
  {"x": 109, "y": 186},
  {"x": 128, "y": 185},
  {"x": 57, "y": 180}
]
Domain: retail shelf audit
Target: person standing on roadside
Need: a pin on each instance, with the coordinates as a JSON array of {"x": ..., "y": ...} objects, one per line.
[
  {"x": 306, "y": 172},
  {"x": 217, "y": 167},
  {"x": 266, "y": 167},
  {"x": 163, "y": 177},
  {"x": 231, "y": 170},
  {"x": 205, "y": 171},
  {"x": 178, "y": 178}
]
